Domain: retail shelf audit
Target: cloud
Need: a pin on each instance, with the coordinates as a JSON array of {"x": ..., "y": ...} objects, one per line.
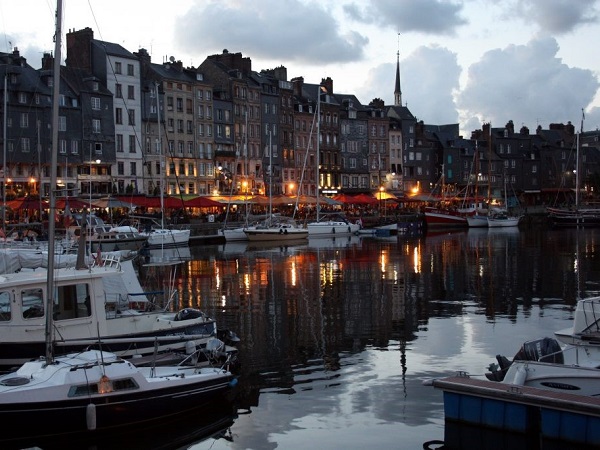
[
  {"x": 429, "y": 77},
  {"x": 434, "y": 17},
  {"x": 558, "y": 16},
  {"x": 269, "y": 29},
  {"x": 522, "y": 82}
]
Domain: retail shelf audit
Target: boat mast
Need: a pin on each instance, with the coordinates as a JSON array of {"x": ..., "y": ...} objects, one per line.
[
  {"x": 5, "y": 177},
  {"x": 53, "y": 176},
  {"x": 318, "y": 158},
  {"x": 270, "y": 178},
  {"x": 162, "y": 162}
]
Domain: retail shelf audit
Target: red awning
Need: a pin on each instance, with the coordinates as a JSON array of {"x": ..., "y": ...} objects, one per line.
[{"x": 201, "y": 202}]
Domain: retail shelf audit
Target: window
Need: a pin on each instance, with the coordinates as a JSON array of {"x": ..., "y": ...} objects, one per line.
[
  {"x": 5, "y": 301},
  {"x": 32, "y": 303},
  {"x": 25, "y": 145},
  {"x": 132, "y": 144},
  {"x": 131, "y": 114},
  {"x": 95, "y": 103},
  {"x": 119, "y": 116},
  {"x": 119, "y": 143},
  {"x": 74, "y": 147},
  {"x": 118, "y": 68},
  {"x": 62, "y": 123},
  {"x": 62, "y": 144},
  {"x": 120, "y": 168},
  {"x": 179, "y": 104},
  {"x": 132, "y": 169},
  {"x": 25, "y": 120},
  {"x": 96, "y": 126},
  {"x": 98, "y": 148},
  {"x": 130, "y": 71},
  {"x": 22, "y": 97},
  {"x": 118, "y": 91},
  {"x": 131, "y": 92},
  {"x": 73, "y": 302}
]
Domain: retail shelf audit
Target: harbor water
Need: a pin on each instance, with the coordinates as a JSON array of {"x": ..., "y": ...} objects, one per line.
[{"x": 338, "y": 335}]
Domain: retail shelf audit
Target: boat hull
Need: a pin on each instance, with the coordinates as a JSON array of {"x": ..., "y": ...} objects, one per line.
[
  {"x": 332, "y": 228},
  {"x": 276, "y": 234},
  {"x": 168, "y": 238},
  {"x": 434, "y": 219},
  {"x": 132, "y": 397}
]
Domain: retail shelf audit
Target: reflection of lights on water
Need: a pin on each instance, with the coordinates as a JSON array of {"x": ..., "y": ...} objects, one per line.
[
  {"x": 294, "y": 273},
  {"x": 481, "y": 270},
  {"x": 223, "y": 300},
  {"x": 247, "y": 281},
  {"x": 383, "y": 261},
  {"x": 416, "y": 260}
]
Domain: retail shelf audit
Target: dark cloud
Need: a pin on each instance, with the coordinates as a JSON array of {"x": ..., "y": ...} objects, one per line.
[
  {"x": 558, "y": 16},
  {"x": 269, "y": 29},
  {"x": 437, "y": 17},
  {"x": 524, "y": 83}
]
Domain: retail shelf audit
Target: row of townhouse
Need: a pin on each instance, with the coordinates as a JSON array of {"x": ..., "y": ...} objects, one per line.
[{"x": 128, "y": 125}]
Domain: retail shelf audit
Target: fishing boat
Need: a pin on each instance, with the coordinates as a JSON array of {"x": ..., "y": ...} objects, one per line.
[{"x": 92, "y": 391}]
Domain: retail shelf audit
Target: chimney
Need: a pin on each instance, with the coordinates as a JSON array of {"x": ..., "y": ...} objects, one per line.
[
  {"x": 298, "y": 83},
  {"x": 328, "y": 83},
  {"x": 79, "y": 49},
  {"x": 47, "y": 61}
]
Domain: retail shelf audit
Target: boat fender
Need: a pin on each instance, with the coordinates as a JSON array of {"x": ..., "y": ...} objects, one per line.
[
  {"x": 285, "y": 231},
  {"x": 333, "y": 230},
  {"x": 90, "y": 416},
  {"x": 281, "y": 231},
  {"x": 349, "y": 230},
  {"x": 520, "y": 376},
  {"x": 233, "y": 382},
  {"x": 188, "y": 313},
  {"x": 190, "y": 348}
]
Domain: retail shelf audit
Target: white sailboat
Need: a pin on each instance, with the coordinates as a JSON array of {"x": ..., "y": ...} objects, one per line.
[
  {"x": 327, "y": 226},
  {"x": 278, "y": 228},
  {"x": 92, "y": 392},
  {"x": 160, "y": 236},
  {"x": 500, "y": 217}
]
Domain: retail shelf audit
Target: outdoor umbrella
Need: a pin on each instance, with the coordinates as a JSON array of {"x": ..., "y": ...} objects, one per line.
[
  {"x": 73, "y": 202},
  {"x": 26, "y": 203},
  {"x": 112, "y": 202},
  {"x": 201, "y": 202}
]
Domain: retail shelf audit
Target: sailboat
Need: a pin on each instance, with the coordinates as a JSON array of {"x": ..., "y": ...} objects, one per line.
[
  {"x": 478, "y": 219},
  {"x": 159, "y": 236},
  {"x": 577, "y": 216},
  {"x": 327, "y": 226},
  {"x": 499, "y": 217},
  {"x": 94, "y": 391},
  {"x": 278, "y": 228}
]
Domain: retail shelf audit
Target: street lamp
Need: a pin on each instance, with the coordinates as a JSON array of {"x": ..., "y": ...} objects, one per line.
[{"x": 381, "y": 190}]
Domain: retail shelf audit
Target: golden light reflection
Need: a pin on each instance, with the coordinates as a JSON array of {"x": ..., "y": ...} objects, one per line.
[
  {"x": 247, "y": 281},
  {"x": 294, "y": 273},
  {"x": 223, "y": 300},
  {"x": 383, "y": 261},
  {"x": 416, "y": 260}
]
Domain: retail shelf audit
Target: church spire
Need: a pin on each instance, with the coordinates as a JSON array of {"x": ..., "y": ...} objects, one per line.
[{"x": 398, "y": 91}]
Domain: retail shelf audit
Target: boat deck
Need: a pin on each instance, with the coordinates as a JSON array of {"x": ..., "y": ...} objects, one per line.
[{"x": 555, "y": 415}]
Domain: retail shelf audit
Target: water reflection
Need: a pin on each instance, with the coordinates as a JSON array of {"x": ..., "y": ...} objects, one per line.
[{"x": 338, "y": 334}]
